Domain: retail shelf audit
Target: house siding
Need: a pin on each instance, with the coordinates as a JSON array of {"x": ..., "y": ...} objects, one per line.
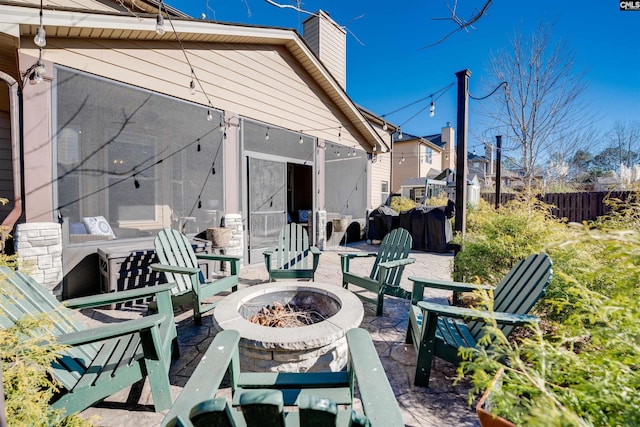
[
  {"x": 328, "y": 41},
  {"x": 262, "y": 83},
  {"x": 6, "y": 167}
]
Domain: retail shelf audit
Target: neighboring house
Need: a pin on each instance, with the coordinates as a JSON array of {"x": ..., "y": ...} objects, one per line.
[
  {"x": 113, "y": 131},
  {"x": 413, "y": 158}
]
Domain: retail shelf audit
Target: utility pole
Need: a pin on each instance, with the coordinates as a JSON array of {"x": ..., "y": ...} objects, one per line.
[
  {"x": 461, "y": 151},
  {"x": 498, "y": 168}
]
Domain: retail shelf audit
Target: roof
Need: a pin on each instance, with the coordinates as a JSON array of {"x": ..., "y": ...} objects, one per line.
[
  {"x": 65, "y": 22},
  {"x": 407, "y": 137}
]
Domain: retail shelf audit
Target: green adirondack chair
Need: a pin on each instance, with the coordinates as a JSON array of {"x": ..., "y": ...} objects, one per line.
[
  {"x": 292, "y": 258},
  {"x": 387, "y": 269},
  {"x": 437, "y": 331},
  {"x": 180, "y": 264},
  {"x": 99, "y": 361},
  {"x": 317, "y": 399}
]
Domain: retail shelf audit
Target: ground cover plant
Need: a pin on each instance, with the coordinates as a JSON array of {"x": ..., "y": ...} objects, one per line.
[{"x": 581, "y": 364}]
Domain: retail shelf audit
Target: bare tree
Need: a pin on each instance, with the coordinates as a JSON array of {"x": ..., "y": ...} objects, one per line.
[
  {"x": 542, "y": 105},
  {"x": 623, "y": 145}
]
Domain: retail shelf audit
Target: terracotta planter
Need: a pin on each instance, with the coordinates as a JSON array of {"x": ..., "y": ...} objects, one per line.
[{"x": 487, "y": 419}]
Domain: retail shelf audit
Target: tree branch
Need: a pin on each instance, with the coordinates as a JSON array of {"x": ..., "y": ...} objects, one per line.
[{"x": 462, "y": 24}]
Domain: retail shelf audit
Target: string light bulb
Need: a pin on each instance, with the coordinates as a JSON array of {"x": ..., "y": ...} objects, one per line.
[
  {"x": 160, "y": 25},
  {"x": 340, "y": 133},
  {"x": 199, "y": 203},
  {"x": 209, "y": 116},
  {"x": 136, "y": 183},
  {"x": 192, "y": 87},
  {"x": 384, "y": 126},
  {"x": 432, "y": 109},
  {"x": 266, "y": 135},
  {"x": 40, "y": 38},
  {"x": 221, "y": 127},
  {"x": 301, "y": 140},
  {"x": 399, "y": 133},
  {"x": 199, "y": 145}
]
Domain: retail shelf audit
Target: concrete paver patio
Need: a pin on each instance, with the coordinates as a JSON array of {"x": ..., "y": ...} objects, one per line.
[{"x": 442, "y": 404}]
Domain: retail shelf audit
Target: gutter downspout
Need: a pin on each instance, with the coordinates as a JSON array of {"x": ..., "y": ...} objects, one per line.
[{"x": 16, "y": 157}]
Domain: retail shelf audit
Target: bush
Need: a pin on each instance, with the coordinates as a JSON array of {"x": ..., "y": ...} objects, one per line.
[
  {"x": 580, "y": 365},
  {"x": 400, "y": 204}
]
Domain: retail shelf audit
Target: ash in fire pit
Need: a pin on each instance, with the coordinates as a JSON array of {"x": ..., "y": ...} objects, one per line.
[{"x": 286, "y": 316}]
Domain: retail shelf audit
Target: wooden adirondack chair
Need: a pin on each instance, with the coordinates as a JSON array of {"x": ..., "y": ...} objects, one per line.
[
  {"x": 103, "y": 360},
  {"x": 435, "y": 331},
  {"x": 259, "y": 398},
  {"x": 292, "y": 258},
  {"x": 387, "y": 269},
  {"x": 180, "y": 264}
]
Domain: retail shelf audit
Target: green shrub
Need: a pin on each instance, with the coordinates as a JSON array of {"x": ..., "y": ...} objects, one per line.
[
  {"x": 581, "y": 364},
  {"x": 400, "y": 204},
  {"x": 439, "y": 200},
  {"x": 585, "y": 372}
]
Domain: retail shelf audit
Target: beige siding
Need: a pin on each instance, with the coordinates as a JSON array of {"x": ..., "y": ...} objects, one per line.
[
  {"x": 328, "y": 41},
  {"x": 380, "y": 171},
  {"x": 262, "y": 83}
]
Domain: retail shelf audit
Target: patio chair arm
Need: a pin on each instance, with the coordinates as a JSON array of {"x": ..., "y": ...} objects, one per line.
[
  {"x": 420, "y": 283},
  {"x": 112, "y": 330},
  {"x": 471, "y": 314},
  {"x": 397, "y": 263},
  {"x": 165, "y": 268},
  {"x": 219, "y": 257},
  {"x": 357, "y": 254},
  {"x": 117, "y": 297}
]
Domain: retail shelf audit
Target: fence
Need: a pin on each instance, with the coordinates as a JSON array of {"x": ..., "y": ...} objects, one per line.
[{"x": 575, "y": 207}]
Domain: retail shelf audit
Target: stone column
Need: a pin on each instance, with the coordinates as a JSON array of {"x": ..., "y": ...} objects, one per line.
[
  {"x": 236, "y": 244},
  {"x": 39, "y": 249},
  {"x": 321, "y": 230}
]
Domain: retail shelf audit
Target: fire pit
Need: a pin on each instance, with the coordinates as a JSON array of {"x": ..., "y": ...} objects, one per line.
[{"x": 320, "y": 346}]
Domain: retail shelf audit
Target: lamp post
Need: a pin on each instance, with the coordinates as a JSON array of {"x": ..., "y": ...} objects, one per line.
[
  {"x": 498, "y": 168},
  {"x": 461, "y": 151}
]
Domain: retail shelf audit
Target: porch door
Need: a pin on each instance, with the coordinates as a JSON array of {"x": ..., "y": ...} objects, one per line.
[{"x": 267, "y": 191}]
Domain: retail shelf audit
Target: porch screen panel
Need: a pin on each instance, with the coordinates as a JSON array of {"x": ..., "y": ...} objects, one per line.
[
  {"x": 142, "y": 160},
  {"x": 277, "y": 142},
  {"x": 345, "y": 181}
]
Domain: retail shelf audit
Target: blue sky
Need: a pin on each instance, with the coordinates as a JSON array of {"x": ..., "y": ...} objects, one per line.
[{"x": 390, "y": 63}]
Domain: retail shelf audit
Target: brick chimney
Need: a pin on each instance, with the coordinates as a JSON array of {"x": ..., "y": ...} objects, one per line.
[{"x": 328, "y": 41}]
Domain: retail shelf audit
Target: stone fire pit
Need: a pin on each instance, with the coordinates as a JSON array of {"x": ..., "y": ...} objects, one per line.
[{"x": 321, "y": 346}]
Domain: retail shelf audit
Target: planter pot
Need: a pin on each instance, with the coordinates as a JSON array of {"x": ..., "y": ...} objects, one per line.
[
  {"x": 340, "y": 224},
  {"x": 219, "y": 236},
  {"x": 487, "y": 419}
]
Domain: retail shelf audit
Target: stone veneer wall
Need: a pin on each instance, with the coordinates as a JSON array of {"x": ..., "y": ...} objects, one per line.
[
  {"x": 39, "y": 249},
  {"x": 321, "y": 230},
  {"x": 236, "y": 244}
]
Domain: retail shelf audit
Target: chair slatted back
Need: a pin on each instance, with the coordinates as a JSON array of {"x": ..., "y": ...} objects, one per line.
[
  {"x": 395, "y": 245},
  {"x": 22, "y": 296},
  {"x": 174, "y": 248},
  {"x": 292, "y": 249},
  {"x": 520, "y": 289}
]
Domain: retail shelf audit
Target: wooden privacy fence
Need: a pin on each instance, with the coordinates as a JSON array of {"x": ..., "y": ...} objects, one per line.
[{"x": 575, "y": 207}]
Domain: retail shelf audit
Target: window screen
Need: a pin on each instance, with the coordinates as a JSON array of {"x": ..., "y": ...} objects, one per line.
[
  {"x": 143, "y": 161},
  {"x": 345, "y": 180}
]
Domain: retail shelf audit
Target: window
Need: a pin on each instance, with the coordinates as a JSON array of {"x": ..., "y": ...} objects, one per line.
[
  {"x": 384, "y": 192},
  {"x": 428, "y": 155},
  {"x": 142, "y": 160}
]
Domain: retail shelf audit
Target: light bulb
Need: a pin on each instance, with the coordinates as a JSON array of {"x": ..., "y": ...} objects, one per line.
[
  {"x": 40, "y": 38},
  {"x": 301, "y": 141},
  {"x": 40, "y": 68},
  {"x": 209, "y": 116},
  {"x": 384, "y": 125},
  {"x": 266, "y": 136},
  {"x": 192, "y": 87},
  {"x": 35, "y": 78},
  {"x": 432, "y": 109},
  {"x": 160, "y": 25},
  {"x": 399, "y": 133},
  {"x": 221, "y": 127}
]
